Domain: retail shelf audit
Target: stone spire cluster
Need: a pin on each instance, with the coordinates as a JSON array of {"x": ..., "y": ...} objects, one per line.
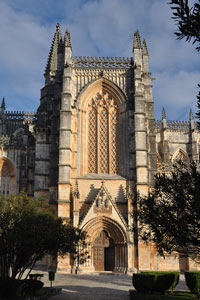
[
  {"x": 141, "y": 54},
  {"x": 56, "y": 56}
]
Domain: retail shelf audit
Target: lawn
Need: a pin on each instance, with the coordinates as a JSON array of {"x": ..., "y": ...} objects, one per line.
[{"x": 176, "y": 295}]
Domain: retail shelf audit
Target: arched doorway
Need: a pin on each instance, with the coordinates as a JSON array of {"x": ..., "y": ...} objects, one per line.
[
  {"x": 103, "y": 252},
  {"x": 7, "y": 177},
  {"x": 108, "y": 244}
]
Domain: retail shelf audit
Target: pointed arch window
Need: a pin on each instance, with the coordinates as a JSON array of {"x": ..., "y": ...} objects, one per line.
[{"x": 103, "y": 134}]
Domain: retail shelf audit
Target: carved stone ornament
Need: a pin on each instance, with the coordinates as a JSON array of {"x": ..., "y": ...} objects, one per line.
[{"x": 102, "y": 203}]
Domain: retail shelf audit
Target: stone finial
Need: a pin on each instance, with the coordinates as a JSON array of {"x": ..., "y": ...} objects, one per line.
[
  {"x": 191, "y": 118},
  {"x": 164, "y": 121},
  {"x": 57, "y": 27},
  {"x": 191, "y": 115},
  {"x": 67, "y": 39},
  {"x": 3, "y": 106},
  {"x": 130, "y": 193},
  {"x": 76, "y": 190},
  {"x": 145, "y": 49},
  {"x": 163, "y": 114},
  {"x": 102, "y": 183},
  {"x": 52, "y": 63},
  {"x": 137, "y": 41}
]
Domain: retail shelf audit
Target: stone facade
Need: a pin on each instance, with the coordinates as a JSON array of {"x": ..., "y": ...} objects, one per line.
[{"x": 93, "y": 143}]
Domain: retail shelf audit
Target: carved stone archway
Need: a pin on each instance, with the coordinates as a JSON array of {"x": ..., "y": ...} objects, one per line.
[
  {"x": 108, "y": 244},
  {"x": 102, "y": 124},
  {"x": 7, "y": 176}
]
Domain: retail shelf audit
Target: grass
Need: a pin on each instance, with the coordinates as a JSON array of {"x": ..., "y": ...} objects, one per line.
[{"x": 175, "y": 296}]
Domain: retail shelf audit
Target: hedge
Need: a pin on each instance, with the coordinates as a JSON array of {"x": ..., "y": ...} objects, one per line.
[
  {"x": 165, "y": 280},
  {"x": 192, "y": 279},
  {"x": 143, "y": 283},
  {"x": 155, "y": 281}
]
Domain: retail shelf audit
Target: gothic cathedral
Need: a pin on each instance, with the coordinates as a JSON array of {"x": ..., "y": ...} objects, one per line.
[{"x": 91, "y": 145}]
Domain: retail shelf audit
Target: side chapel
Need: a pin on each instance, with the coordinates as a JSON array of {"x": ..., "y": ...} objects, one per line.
[{"x": 91, "y": 145}]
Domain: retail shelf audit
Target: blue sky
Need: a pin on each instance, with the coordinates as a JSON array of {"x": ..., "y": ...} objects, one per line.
[{"x": 98, "y": 28}]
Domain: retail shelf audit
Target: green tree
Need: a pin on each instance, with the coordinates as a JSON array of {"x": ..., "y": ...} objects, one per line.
[
  {"x": 170, "y": 216},
  {"x": 188, "y": 21},
  {"x": 29, "y": 230}
]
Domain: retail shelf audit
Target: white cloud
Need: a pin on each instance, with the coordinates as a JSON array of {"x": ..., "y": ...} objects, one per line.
[
  {"x": 176, "y": 93},
  {"x": 98, "y": 27}
]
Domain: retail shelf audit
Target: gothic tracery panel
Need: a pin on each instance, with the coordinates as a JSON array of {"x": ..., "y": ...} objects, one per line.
[
  {"x": 114, "y": 120},
  {"x": 103, "y": 143},
  {"x": 103, "y": 134},
  {"x": 92, "y": 141}
]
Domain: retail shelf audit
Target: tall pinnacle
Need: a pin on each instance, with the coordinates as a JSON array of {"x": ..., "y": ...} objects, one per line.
[
  {"x": 136, "y": 41},
  {"x": 67, "y": 39},
  {"x": 3, "y": 106},
  {"x": 52, "y": 64},
  {"x": 163, "y": 114},
  {"x": 76, "y": 190},
  {"x": 164, "y": 121},
  {"x": 145, "y": 49},
  {"x": 191, "y": 115}
]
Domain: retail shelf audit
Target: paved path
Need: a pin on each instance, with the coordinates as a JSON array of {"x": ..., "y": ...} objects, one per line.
[{"x": 97, "y": 286}]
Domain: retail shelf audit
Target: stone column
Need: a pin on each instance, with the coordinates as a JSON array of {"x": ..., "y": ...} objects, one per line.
[
  {"x": 42, "y": 163},
  {"x": 64, "y": 187}
]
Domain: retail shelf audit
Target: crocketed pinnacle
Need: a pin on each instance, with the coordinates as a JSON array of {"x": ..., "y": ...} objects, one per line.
[
  {"x": 52, "y": 59},
  {"x": 76, "y": 191},
  {"x": 145, "y": 49},
  {"x": 67, "y": 39},
  {"x": 130, "y": 191},
  {"x": 3, "y": 106},
  {"x": 163, "y": 114},
  {"x": 191, "y": 115},
  {"x": 136, "y": 41}
]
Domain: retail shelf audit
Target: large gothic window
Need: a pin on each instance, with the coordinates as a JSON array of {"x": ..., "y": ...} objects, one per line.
[{"x": 103, "y": 134}]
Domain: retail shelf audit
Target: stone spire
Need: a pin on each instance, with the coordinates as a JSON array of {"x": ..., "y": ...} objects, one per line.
[
  {"x": 145, "y": 57},
  {"x": 76, "y": 190},
  {"x": 68, "y": 48},
  {"x": 163, "y": 114},
  {"x": 191, "y": 118},
  {"x": 53, "y": 61},
  {"x": 145, "y": 49},
  {"x": 130, "y": 193},
  {"x": 136, "y": 41},
  {"x": 164, "y": 121},
  {"x": 191, "y": 115},
  {"x": 3, "y": 106},
  {"x": 137, "y": 50},
  {"x": 2, "y": 117},
  {"x": 67, "y": 39}
]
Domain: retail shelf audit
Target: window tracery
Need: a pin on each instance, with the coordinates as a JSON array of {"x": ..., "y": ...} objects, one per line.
[{"x": 103, "y": 134}]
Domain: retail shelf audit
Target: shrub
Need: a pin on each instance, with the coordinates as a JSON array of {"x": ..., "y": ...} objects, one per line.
[
  {"x": 192, "y": 279},
  {"x": 11, "y": 288},
  {"x": 164, "y": 280},
  {"x": 33, "y": 286},
  {"x": 143, "y": 283}
]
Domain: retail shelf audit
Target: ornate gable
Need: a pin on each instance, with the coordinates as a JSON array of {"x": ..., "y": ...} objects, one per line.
[{"x": 103, "y": 205}]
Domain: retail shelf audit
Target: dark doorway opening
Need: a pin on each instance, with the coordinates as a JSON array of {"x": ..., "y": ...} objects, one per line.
[
  {"x": 104, "y": 252},
  {"x": 110, "y": 256}
]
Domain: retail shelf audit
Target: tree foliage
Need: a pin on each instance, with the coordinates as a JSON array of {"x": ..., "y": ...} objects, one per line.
[
  {"x": 198, "y": 109},
  {"x": 170, "y": 216},
  {"x": 29, "y": 230},
  {"x": 187, "y": 19}
]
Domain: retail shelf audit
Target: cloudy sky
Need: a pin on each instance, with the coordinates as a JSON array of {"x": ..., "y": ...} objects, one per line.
[{"x": 98, "y": 28}]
